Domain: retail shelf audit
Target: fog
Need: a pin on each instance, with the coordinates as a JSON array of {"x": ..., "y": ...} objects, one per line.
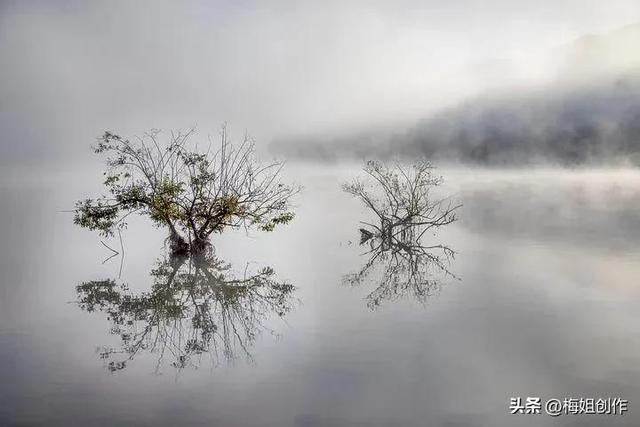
[
  {"x": 591, "y": 124},
  {"x": 278, "y": 70},
  {"x": 536, "y": 296},
  {"x": 585, "y": 112}
]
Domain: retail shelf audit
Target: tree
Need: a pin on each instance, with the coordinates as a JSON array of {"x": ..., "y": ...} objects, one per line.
[
  {"x": 401, "y": 199},
  {"x": 193, "y": 193}
]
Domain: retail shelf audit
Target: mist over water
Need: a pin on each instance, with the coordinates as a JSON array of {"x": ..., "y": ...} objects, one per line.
[
  {"x": 545, "y": 305},
  {"x": 585, "y": 113},
  {"x": 289, "y": 71}
]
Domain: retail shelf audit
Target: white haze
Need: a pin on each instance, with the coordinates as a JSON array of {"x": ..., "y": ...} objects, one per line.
[{"x": 73, "y": 69}]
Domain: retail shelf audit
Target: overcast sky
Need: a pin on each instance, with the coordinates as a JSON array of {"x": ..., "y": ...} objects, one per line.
[{"x": 73, "y": 69}]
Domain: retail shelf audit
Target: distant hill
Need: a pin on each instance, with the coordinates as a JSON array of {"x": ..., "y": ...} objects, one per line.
[
  {"x": 587, "y": 124},
  {"x": 590, "y": 114}
]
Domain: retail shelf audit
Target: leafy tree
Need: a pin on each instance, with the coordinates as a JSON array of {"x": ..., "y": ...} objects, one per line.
[{"x": 193, "y": 193}]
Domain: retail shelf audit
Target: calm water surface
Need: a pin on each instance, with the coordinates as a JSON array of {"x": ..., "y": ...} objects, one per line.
[{"x": 544, "y": 303}]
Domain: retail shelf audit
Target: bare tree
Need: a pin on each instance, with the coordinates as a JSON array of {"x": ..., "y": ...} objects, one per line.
[
  {"x": 192, "y": 192},
  {"x": 401, "y": 199}
]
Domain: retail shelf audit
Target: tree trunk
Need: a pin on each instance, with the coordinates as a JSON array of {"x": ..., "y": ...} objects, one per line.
[
  {"x": 199, "y": 244},
  {"x": 180, "y": 247},
  {"x": 177, "y": 244}
]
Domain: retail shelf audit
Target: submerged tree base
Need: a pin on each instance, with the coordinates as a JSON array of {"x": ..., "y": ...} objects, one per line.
[{"x": 179, "y": 247}]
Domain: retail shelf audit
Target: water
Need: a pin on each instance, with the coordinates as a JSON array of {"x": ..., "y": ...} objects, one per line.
[{"x": 544, "y": 303}]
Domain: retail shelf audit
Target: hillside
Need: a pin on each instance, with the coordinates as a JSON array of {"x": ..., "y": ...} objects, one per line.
[{"x": 589, "y": 114}]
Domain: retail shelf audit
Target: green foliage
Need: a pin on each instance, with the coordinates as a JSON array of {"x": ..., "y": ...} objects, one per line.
[
  {"x": 194, "y": 194},
  {"x": 283, "y": 218},
  {"x": 96, "y": 215}
]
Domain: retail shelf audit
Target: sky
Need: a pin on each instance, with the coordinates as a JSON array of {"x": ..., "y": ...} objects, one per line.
[{"x": 71, "y": 70}]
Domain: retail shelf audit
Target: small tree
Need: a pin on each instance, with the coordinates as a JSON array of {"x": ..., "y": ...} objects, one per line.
[
  {"x": 405, "y": 208},
  {"x": 401, "y": 198},
  {"x": 193, "y": 193}
]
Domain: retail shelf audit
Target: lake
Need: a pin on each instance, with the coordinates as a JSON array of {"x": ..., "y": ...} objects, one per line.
[{"x": 542, "y": 302}]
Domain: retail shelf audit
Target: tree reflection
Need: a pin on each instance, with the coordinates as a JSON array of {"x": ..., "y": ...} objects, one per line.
[
  {"x": 400, "y": 199},
  {"x": 401, "y": 267},
  {"x": 196, "y": 307}
]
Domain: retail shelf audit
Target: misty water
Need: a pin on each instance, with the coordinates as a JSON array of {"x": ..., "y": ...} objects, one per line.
[{"x": 544, "y": 303}]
